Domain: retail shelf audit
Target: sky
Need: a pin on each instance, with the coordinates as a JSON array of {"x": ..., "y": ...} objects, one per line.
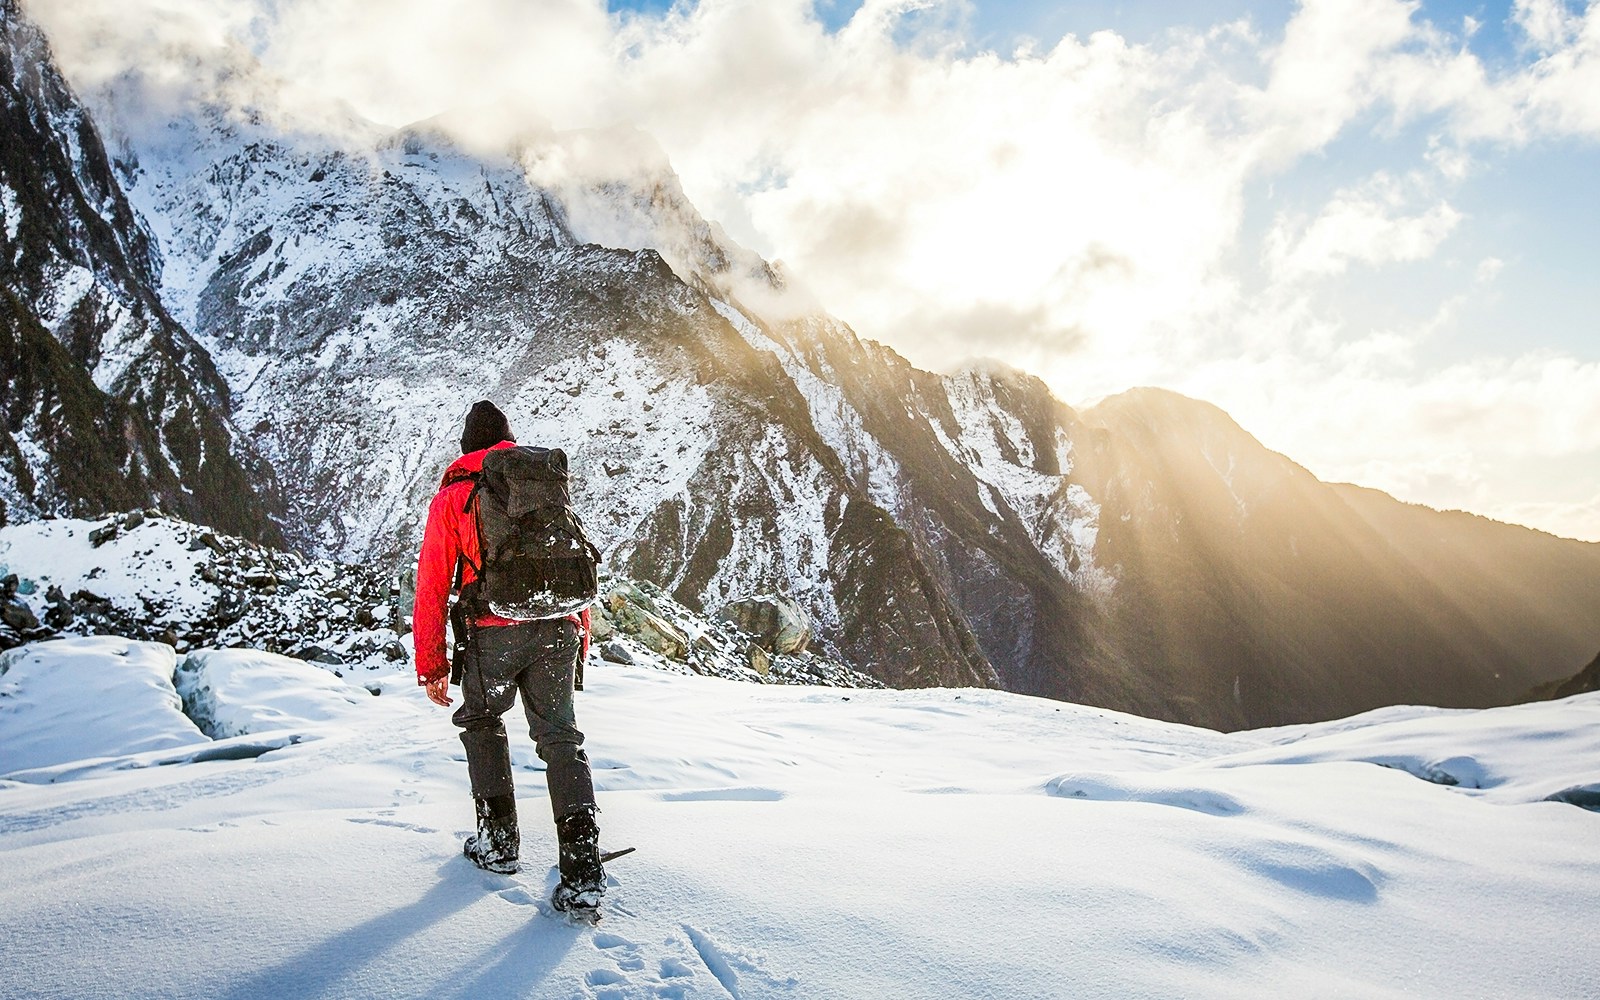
[{"x": 1365, "y": 228}]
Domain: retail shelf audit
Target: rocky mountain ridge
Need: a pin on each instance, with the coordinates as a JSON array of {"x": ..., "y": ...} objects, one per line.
[{"x": 356, "y": 288}]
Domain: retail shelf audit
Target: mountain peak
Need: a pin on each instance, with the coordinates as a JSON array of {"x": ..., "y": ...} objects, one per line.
[{"x": 1162, "y": 409}]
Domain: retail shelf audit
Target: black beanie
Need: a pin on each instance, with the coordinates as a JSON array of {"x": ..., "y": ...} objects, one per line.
[{"x": 486, "y": 427}]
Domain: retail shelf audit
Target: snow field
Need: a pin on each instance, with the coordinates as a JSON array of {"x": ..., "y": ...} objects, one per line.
[{"x": 801, "y": 842}]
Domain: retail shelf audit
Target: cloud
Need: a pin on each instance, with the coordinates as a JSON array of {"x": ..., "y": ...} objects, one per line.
[
  {"x": 1366, "y": 225},
  {"x": 1548, "y": 24},
  {"x": 898, "y": 173},
  {"x": 1323, "y": 72}
]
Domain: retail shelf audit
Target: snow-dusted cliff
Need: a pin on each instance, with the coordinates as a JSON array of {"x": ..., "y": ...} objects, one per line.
[{"x": 106, "y": 397}]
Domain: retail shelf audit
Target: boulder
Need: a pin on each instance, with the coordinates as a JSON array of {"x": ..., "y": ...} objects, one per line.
[
  {"x": 316, "y": 654},
  {"x": 19, "y": 616},
  {"x": 660, "y": 636},
  {"x": 623, "y": 594},
  {"x": 627, "y": 610},
  {"x": 59, "y": 614},
  {"x": 777, "y": 623},
  {"x": 760, "y": 660}
]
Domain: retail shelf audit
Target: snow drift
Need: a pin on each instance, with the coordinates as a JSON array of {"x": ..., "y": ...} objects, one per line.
[{"x": 793, "y": 842}]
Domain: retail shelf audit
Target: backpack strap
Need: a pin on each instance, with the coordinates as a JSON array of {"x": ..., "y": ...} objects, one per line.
[
  {"x": 460, "y": 621},
  {"x": 459, "y": 628},
  {"x": 468, "y": 507}
]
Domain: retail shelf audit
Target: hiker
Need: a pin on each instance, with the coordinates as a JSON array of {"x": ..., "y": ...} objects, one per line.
[{"x": 500, "y": 658}]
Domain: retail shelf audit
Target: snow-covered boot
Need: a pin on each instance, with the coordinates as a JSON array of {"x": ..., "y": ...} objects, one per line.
[
  {"x": 583, "y": 880},
  {"x": 496, "y": 844}
]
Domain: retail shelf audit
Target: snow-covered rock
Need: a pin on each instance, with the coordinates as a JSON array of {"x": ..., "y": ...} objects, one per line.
[
  {"x": 150, "y": 576},
  {"x": 74, "y": 699},
  {"x": 154, "y": 577},
  {"x": 237, "y": 692}
]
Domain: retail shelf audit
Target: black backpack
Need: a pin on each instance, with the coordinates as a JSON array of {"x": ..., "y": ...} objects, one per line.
[{"x": 537, "y": 562}]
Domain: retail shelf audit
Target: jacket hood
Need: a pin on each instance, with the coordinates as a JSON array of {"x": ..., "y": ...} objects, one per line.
[{"x": 471, "y": 463}]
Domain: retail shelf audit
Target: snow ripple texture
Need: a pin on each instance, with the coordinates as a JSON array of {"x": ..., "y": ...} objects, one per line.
[{"x": 792, "y": 842}]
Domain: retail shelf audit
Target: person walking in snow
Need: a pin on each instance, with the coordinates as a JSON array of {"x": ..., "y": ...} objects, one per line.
[{"x": 502, "y": 657}]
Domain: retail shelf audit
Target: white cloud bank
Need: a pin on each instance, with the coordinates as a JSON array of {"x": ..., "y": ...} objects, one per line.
[
  {"x": 1357, "y": 227},
  {"x": 1080, "y": 210}
]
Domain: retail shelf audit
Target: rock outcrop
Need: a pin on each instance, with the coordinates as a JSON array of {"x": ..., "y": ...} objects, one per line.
[{"x": 638, "y": 623}]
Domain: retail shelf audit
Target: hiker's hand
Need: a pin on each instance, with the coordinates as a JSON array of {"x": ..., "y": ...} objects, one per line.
[{"x": 439, "y": 690}]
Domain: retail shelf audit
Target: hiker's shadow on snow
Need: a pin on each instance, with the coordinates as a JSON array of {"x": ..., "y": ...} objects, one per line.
[
  {"x": 341, "y": 962},
  {"x": 519, "y": 960}
]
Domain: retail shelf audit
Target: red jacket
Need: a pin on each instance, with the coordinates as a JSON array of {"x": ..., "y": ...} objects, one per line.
[{"x": 450, "y": 532}]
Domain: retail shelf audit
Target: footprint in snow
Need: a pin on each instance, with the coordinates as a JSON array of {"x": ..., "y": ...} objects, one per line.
[
  {"x": 622, "y": 951},
  {"x": 734, "y": 968},
  {"x": 629, "y": 974},
  {"x": 382, "y": 820},
  {"x": 520, "y": 895},
  {"x": 673, "y": 968}
]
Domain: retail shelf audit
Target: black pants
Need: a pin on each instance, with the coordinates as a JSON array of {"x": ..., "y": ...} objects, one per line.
[{"x": 537, "y": 659}]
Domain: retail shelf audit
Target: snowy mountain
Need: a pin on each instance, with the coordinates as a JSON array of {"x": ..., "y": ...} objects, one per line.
[
  {"x": 354, "y": 288},
  {"x": 109, "y": 404},
  {"x": 355, "y": 298},
  {"x": 239, "y": 824}
]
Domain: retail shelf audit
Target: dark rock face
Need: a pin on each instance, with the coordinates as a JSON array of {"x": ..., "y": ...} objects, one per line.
[
  {"x": 1020, "y": 588},
  {"x": 108, "y": 403},
  {"x": 1583, "y": 682}
]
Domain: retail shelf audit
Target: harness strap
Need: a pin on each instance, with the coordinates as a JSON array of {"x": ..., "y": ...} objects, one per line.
[{"x": 472, "y": 497}]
